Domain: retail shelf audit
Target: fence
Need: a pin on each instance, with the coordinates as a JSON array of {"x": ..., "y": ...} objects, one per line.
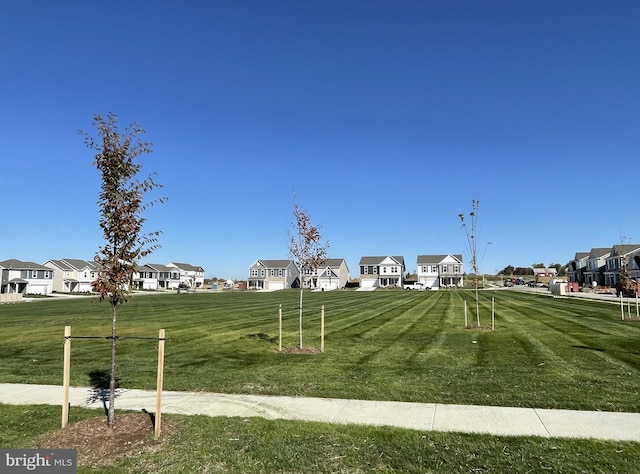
[{"x": 10, "y": 297}]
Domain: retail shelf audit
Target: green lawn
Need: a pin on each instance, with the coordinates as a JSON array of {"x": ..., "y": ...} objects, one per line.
[
  {"x": 392, "y": 345},
  {"x": 214, "y": 445}
]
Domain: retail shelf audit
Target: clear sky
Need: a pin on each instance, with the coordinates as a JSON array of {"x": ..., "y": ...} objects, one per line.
[{"x": 386, "y": 118}]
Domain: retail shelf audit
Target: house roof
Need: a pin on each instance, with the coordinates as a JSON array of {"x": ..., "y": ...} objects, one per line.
[
  {"x": 158, "y": 267},
  {"x": 378, "y": 260},
  {"x": 624, "y": 249},
  {"x": 186, "y": 267},
  {"x": 78, "y": 264},
  {"x": 431, "y": 259},
  {"x": 272, "y": 263},
  {"x": 599, "y": 252},
  {"x": 61, "y": 264},
  {"x": 581, "y": 255},
  {"x": 14, "y": 264}
]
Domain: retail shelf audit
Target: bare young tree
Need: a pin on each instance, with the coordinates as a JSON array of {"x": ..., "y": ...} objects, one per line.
[
  {"x": 306, "y": 250},
  {"x": 472, "y": 247},
  {"x": 121, "y": 204}
]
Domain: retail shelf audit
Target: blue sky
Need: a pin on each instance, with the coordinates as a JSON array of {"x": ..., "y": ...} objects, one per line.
[{"x": 385, "y": 118}]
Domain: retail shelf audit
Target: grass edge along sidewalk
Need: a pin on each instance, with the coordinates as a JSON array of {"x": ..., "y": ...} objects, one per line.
[
  {"x": 256, "y": 445},
  {"x": 499, "y": 421}
]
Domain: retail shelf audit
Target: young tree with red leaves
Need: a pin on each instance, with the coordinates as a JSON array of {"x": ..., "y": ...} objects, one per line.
[
  {"x": 306, "y": 250},
  {"x": 121, "y": 204}
]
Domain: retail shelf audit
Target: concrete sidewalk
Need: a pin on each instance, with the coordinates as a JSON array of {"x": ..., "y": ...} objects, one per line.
[{"x": 417, "y": 416}]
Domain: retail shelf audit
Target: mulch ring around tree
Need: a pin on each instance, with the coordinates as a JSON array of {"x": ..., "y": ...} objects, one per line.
[
  {"x": 99, "y": 445},
  {"x": 301, "y": 350}
]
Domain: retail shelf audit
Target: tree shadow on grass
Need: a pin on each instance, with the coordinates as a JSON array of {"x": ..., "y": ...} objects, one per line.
[{"x": 99, "y": 380}]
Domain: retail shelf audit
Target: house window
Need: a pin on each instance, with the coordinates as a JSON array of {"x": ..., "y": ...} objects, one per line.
[
  {"x": 375, "y": 270},
  {"x": 456, "y": 269},
  {"x": 394, "y": 269},
  {"x": 46, "y": 275},
  {"x": 262, "y": 273},
  {"x": 34, "y": 274},
  {"x": 444, "y": 269},
  {"x": 254, "y": 273},
  {"x": 384, "y": 269},
  {"x": 434, "y": 269},
  {"x": 364, "y": 270}
]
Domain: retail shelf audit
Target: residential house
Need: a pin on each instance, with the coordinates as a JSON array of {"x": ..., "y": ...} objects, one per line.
[
  {"x": 25, "y": 277},
  {"x": 577, "y": 267},
  {"x": 73, "y": 275},
  {"x": 168, "y": 278},
  {"x": 147, "y": 278},
  {"x": 634, "y": 266},
  {"x": 381, "y": 272},
  {"x": 596, "y": 264},
  {"x": 190, "y": 275},
  {"x": 273, "y": 275},
  {"x": 440, "y": 271},
  {"x": 331, "y": 275},
  {"x": 619, "y": 257}
]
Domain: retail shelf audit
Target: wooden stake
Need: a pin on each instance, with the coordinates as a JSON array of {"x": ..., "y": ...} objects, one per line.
[
  {"x": 493, "y": 314},
  {"x": 66, "y": 375},
  {"x": 466, "y": 321},
  {"x": 322, "y": 330},
  {"x": 159, "y": 384},
  {"x": 621, "y": 307},
  {"x": 280, "y": 328}
]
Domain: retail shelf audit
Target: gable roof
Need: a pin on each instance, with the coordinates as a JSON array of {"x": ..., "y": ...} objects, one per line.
[
  {"x": 14, "y": 264},
  {"x": 431, "y": 259},
  {"x": 160, "y": 267},
  {"x": 186, "y": 267},
  {"x": 599, "y": 252},
  {"x": 272, "y": 263},
  {"x": 624, "y": 249},
  {"x": 378, "y": 260},
  {"x": 581, "y": 255},
  {"x": 61, "y": 264}
]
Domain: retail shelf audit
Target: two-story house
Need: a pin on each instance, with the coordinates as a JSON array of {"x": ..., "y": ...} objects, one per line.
[
  {"x": 596, "y": 264},
  {"x": 619, "y": 257},
  {"x": 381, "y": 272},
  {"x": 440, "y": 271},
  {"x": 273, "y": 275},
  {"x": 577, "y": 267},
  {"x": 31, "y": 278},
  {"x": 72, "y": 275},
  {"x": 168, "y": 278},
  {"x": 146, "y": 278},
  {"x": 331, "y": 275},
  {"x": 190, "y": 275}
]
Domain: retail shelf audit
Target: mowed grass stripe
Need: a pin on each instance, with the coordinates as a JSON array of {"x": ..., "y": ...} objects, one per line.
[{"x": 396, "y": 345}]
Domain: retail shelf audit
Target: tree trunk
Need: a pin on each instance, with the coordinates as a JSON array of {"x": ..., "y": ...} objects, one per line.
[
  {"x": 111, "y": 415},
  {"x": 300, "y": 308}
]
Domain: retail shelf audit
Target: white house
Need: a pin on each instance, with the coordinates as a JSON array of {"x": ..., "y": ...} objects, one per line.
[
  {"x": 25, "y": 277},
  {"x": 273, "y": 275},
  {"x": 381, "y": 272},
  {"x": 190, "y": 275},
  {"x": 168, "y": 278},
  {"x": 146, "y": 278},
  {"x": 440, "y": 271}
]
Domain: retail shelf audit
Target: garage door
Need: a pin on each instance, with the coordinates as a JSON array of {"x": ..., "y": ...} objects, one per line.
[{"x": 276, "y": 285}]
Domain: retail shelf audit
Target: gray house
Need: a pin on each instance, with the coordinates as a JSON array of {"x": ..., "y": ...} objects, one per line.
[{"x": 273, "y": 275}]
